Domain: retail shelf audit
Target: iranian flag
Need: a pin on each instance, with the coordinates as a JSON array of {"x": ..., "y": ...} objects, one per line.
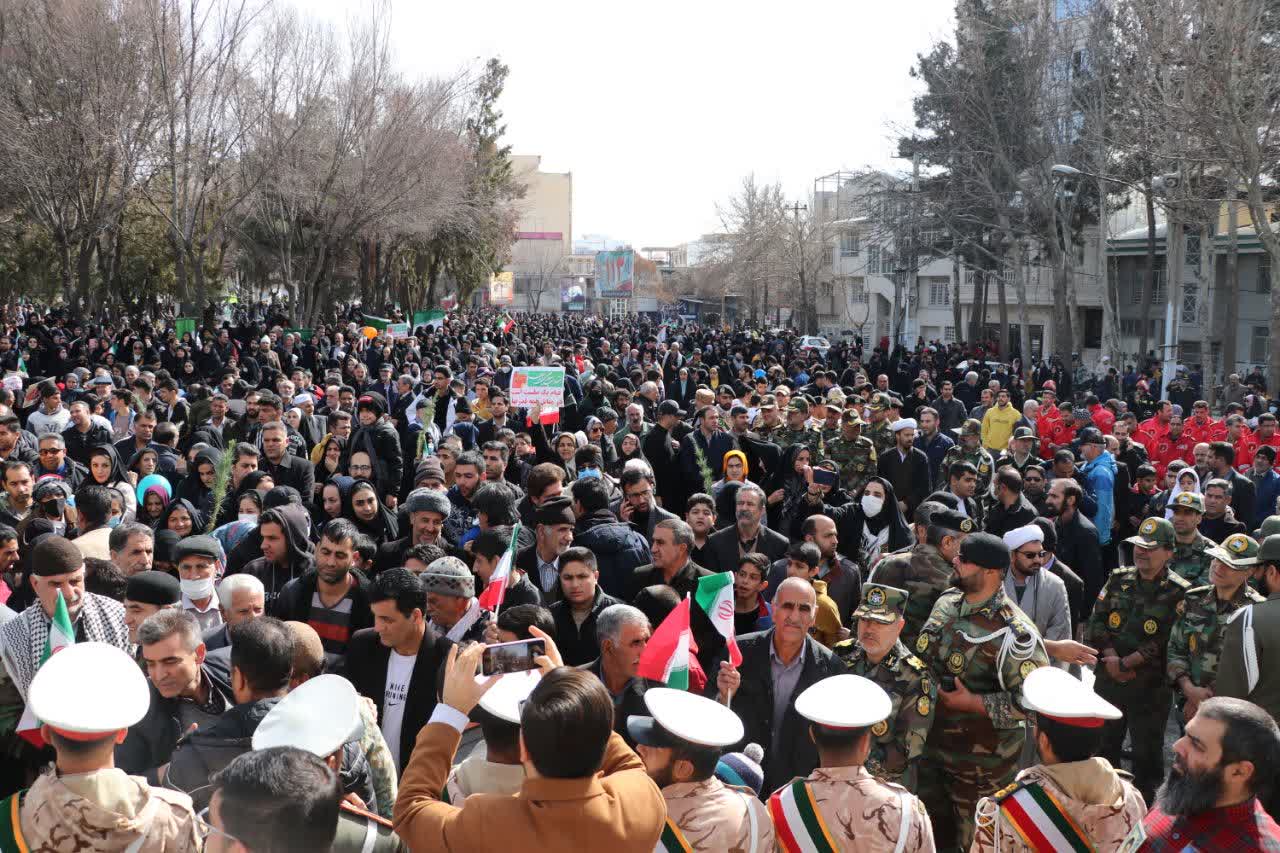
[
  {"x": 61, "y": 635},
  {"x": 506, "y": 324},
  {"x": 668, "y": 656},
  {"x": 496, "y": 590},
  {"x": 715, "y": 597}
]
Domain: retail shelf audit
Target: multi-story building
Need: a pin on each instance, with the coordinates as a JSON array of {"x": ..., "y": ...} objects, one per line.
[{"x": 544, "y": 243}]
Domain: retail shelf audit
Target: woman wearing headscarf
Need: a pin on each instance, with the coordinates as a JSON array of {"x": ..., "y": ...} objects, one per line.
[
  {"x": 594, "y": 431},
  {"x": 360, "y": 504},
  {"x": 197, "y": 486},
  {"x": 735, "y": 471},
  {"x": 629, "y": 449},
  {"x": 327, "y": 459},
  {"x": 786, "y": 490},
  {"x": 105, "y": 470}
]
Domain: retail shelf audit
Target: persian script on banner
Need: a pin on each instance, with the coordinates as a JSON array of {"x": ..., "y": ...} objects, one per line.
[{"x": 537, "y": 386}]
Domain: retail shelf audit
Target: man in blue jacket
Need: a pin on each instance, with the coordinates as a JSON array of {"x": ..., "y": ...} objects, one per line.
[{"x": 1099, "y": 472}]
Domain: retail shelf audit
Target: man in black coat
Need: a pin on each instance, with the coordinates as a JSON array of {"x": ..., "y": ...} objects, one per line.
[
  {"x": 657, "y": 448},
  {"x": 285, "y": 468},
  {"x": 377, "y": 437},
  {"x": 1078, "y": 544},
  {"x": 906, "y": 467},
  {"x": 400, "y": 643},
  {"x": 1222, "y": 458},
  {"x": 777, "y": 665},
  {"x": 1008, "y": 508},
  {"x": 748, "y": 534}
]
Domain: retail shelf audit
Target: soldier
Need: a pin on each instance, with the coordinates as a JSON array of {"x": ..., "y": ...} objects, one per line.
[
  {"x": 925, "y": 569},
  {"x": 1130, "y": 624},
  {"x": 796, "y": 432},
  {"x": 852, "y": 451},
  {"x": 879, "y": 433},
  {"x": 87, "y": 696},
  {"x": 1022, "y": 453},
  {"x": 840, "y": 806},
  {"x": 969, "y": 449},
  {"x": 897, "y": 742},
  {"x": 979, "y": 647},
  {"x": 1071, "y": 800},
  {"x": 680, "y": 746},
  {"x": 1196, "y": 639},
  {"x": 767, "y": 424},
  {"x": 1191, "y": 557},
  {"x": 321, "y": 716}
]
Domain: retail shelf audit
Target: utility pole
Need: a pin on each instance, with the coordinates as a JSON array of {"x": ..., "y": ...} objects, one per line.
[{"x": 795, "y": 209}]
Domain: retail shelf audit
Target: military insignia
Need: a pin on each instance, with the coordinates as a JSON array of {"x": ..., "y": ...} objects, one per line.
[
  {"x": 984, "y": 468},
  {"x": 1113, "y": 621},
  {"x": 880, "y": 728},
  {"x": 1236, "y": 543},
  {"x": 1148, "y": 527},
  {"x": 922, "y": 644},
  {"x": 966, "y": 526},
  {"x": 922, "y": 705},
  {"x": 1150, "y": 626},
  {"x": 875, "y": 597},
  {"x": 1028, "y": 667},
  {"x": 1181, "y": 608},
  {"x": 955, "y": 663},
  {"x": 1192, "y": 642}
]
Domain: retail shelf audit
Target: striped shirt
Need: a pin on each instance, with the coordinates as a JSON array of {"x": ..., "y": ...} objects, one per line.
[{"x": 333, "y": 624}]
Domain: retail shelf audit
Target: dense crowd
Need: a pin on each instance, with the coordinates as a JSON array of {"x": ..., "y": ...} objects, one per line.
[{"x": 781, "y": 597}]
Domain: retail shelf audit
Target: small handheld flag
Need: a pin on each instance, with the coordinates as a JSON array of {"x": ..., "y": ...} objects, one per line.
[
  {"x": 715, "y": 597},
  {"x": 496, "y": 590},
  {"x": 61, "y": 635}
]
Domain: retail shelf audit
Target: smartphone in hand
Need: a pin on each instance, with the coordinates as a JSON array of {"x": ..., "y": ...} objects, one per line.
[{"x": 517, "y": 656}]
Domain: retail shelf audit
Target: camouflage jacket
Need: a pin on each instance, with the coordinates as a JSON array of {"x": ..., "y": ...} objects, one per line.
[
  {"x": 898, "y": 742},
  {"x": 923, "y": 572},
  {"x": 1191, "y": 561},
  {"x": 810, "y": 438},
  {"x": 881, "y": 437},
  {"x": 1195, "y": 642},
  {"x": 981, "y": 460},
  {"x": 766, "y": 432},
  {"x": 1009, "y": 649},
  {"x": 857, "y": 460},
  {"x": 1136, "y": 615}
]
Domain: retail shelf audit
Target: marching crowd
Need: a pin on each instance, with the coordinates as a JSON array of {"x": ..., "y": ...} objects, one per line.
[{"x": 781, "y": 597}]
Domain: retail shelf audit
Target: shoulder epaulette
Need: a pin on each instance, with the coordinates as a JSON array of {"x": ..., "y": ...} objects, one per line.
[
  {"x": 1179, "y": 581},
  {"x": 1199, "y": 589},
  {"x": 915, "y": 663},
  {"x": 1253, "y": 595},
  {"x": 1008, "y": 791},
  {"x": 356, "y": 811},
  {"x": 845, "y": 645},
  {"x": 1125, "y": 571}
]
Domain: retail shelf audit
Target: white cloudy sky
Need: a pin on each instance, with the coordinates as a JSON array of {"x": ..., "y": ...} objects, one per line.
[{"x": 660, "y": 108}]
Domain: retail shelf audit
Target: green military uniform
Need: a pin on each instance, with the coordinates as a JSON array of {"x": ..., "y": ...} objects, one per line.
[
  {"x": 979, "y": 457},
  {"x": 1191, "y": 559},
  {"x": 1133, "y": 614},
  {"x": 924, "y": 573},
  {"x": 898, "y": 741},
  {"x": 810, "y": 438},
  {"x": 856, "y": 456},
  {"x": 361, "y": 831},
  {"x": 972, "y": 755},
  {"x": 1195, "y": 643}
]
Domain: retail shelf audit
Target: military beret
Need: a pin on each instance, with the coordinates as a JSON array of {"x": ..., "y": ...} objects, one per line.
[
  {"x": 1270, "y": 527},
  {"x": 152, "y": 587},
  {"x": 953, "y": 520},
  {"x": 985, "y": 550},
  {"x": 196, "y": 546}
]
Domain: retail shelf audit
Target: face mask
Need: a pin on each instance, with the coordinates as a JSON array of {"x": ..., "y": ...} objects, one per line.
[
  {"x": 248, "y": 518},
  {"x": 53, "y": 508},
  {"x": 871, "y": 505},
  {"x": 589, "y": 474},
  {"x": 197, "y": 589},
  {"x": 113, "y": 521}
]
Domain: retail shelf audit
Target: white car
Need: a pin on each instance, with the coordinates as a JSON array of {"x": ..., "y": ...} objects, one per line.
[{"x": 814, "y": 343}]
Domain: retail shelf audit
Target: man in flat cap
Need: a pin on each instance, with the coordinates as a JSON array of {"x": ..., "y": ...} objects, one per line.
[
  {"x": 88, "y": 804},
  {"x": 1072, "y": 799},
  {"x": 146, "y": 593},
  {"x": 925, "y": 569},
  {"x": 877, "y": 653},
  {"x": 553, "y": 535},
  {"x": 968, "y": 448},
  {"x": 452, "y": 605},
  {"x": 979, "y": 646},
  {"x": 197, "y": 558},
  {"x": 829, "y": 808},
  {"x": 1130, "y": 626}
]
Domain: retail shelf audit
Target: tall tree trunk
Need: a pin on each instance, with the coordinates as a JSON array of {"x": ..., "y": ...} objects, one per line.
[
  {"x": 956, "y": 316},
  {"x": 1003, "y": 298},
  {"x": 1231, "y": 293},
  {"x": 1021, "y": 271},
  {"x": 1148, "y": 277}
]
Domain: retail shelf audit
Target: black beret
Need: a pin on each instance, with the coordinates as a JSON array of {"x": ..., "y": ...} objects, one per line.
[
  {"x": 372, "y": 400},
  {"x": 555, "y": 511},
  {"x": 196, "y": 546},
  {"x": 950, "y": 519},
  {"x": 166, "y": 542},
  {"x": 55, "y": 555},
  {"x": 153, "y": 587},
  {"x": 985, "y": 550}
]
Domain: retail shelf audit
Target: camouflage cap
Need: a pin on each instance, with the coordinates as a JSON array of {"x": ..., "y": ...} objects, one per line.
[
  {"x": 971, "y": 427},
  {"x": 1154, "y": 533},
  {"x": 1193, "y": 501},
  {"x": 881, "y": 401},
  {"x": 799, "y": 404},
  {"x": 1237, "y": 550},
  {"x": 1270, "y": 527},
  {"x": 836, "y": 397},
  {"x": 882, "y": 603},
  {"x": 768, "y": 401},
  {"x": 1269, "y": 551},
  {"x": 850, "y": 416}
]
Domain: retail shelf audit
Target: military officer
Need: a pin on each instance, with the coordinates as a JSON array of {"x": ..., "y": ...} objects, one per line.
[
  {"x": 767, "y": 424},
  {"x": 1191, "y": 557},
  {"x": 878, "y": 430},
  {"x": 830, "y": 428},
  {"x": 680, "y": 745},
  {"x": 897, "y": 741},
  {"x": 1196, "y": 639},
  {"x": 853, "y": 452},
  {"x": 796, "y": 430},
  {"x": 87, "y": 803},
  {"x": 1130, "y": 624},
  {"x": 1021, "y": 454},
  {"x": 925, "y": 569},
  {"x": 979, "y": 647},
  {"x": 840, "y": 806},
  {"x": 969, "y": 449},
  {"x": 1071, "y": 800},
  {"x": 320, "y": 716}
]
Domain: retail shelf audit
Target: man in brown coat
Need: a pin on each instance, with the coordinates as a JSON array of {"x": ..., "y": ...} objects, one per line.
[{"x": 582, "y": 782}]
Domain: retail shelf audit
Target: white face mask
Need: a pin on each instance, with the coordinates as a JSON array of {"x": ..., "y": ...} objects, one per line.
[
  {"x": 248, "y": 518},
  {"x": 871, "y": 505},
  {"x": 197, "y": 589}
]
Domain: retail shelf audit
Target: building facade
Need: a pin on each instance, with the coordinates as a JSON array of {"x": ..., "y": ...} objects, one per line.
[{"x": 540, "y": 257}]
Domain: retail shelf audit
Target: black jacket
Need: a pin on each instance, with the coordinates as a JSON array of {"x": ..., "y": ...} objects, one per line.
[
  {"x": 1243, "y": 495},
  {"x": 722, "y": 546},
  {"x": 383, "y": 446},
  {"x": 292, "y": 471},
  {"x": 80, "y": 443},
  {"x": 909, "y": 476},
  {"x": 629, "y": 704},
  {"x": 366, "y": 667},
  {"x": 578, "y": 643},
  {"x": 655, "y": 515},
  {"x": 1079, "y": 548},
  {"x": 713, "y": 449},
  {"x": 619, "y": 549},
  {"x": 999, "y": 520},
  {"x": 294, "y": 605},
  {"x": 670, "y": 485},
  {"x": 794, "y": 754},
  {"x": 151, "y": 741}
]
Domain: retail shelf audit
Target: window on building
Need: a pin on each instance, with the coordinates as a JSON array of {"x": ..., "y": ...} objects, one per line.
[
  {"x": 1258, "y": 349},
  {"x": 948, "y": 334},
  {"x": 849, "y": 244},
  {"x": 873, "y": 260},
  {"x": 1092, "y": 327},
  {"x": 939, "y": 292},
  {"x": 1264, "y": 273},
  {"x": 1193, "y": 251},
  {"x": 857, "y": 291},
  {"x": 1190, "y": 303}
]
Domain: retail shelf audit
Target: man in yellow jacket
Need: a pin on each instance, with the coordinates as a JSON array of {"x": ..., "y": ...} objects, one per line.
[{"x": 997, "y": 424}]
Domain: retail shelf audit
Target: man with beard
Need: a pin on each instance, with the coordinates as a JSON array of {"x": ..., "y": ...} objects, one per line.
[
  {"x": 969, "y": 449},
  {"x": 1071, "y": 799},
  {"x": 924, "y": 570},
  {"x": 1130, "y": 624},
  {"x": 749, "y": 534},
  {"x": 878, "y": 654},
  {"x": 979, "y": 647},
  {"x": 1077, "y": 537},
  {"x": 332, "y": 598},
  {"x": 1041, "y": 595},
  {"x": 1210, "y": 801},
  {"x": 1035, "y": 489}
]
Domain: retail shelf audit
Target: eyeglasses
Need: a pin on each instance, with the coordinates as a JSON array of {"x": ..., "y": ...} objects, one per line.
[
  {"x": 205, "y": 829},
  {"x": 1034, "y": 554}
]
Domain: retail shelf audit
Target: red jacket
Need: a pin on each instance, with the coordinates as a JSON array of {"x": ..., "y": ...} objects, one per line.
[
  {"x": 1210, "y": 430},
  {"x": 1166, "y": 450},
  {"x": 1103, "y": 418},
  {"x": 1150, "y": 431}
]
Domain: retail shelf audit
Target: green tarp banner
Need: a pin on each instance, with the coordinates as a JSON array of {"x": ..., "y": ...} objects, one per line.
[
  {"x": 304, "y": 334},
  {"x": 378, "y": 323},
  {"x": 183, "y": 325}
]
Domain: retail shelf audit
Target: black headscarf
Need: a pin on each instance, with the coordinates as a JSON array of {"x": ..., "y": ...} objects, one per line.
[{"x": 383, "y": 527}]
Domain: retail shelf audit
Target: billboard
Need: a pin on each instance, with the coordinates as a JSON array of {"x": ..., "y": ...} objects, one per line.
[
  {"x": 615, "y": 274},
  {"x": 573, "y": 297},
  {"x": 502, "y": 288}
]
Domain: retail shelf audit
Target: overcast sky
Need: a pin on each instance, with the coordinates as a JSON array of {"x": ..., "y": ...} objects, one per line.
[{"x": 659, "y": 109}]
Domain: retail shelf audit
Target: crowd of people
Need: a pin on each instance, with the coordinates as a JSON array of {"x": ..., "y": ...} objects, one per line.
[{"x": 909, "y": 599}]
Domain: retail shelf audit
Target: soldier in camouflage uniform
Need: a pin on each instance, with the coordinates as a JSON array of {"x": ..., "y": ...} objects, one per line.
[
  {"x": 969, "y": 449},
  {"x": 854, "y": 453},
  {"x": 767, "y": 424},
  {"x": 924, "y": 570},
  {"x": 1130, "y": 627},
  {"x": 898, "y": 741},
  {"x": 879, "y": 433},
  {"x": 1196, "y": 639},
  {"x": 978, "y": 646},
  {"x": 796, "y": 432},
  {"x": 1191, "y": 557},
  {"x": 830, "y": 428}
]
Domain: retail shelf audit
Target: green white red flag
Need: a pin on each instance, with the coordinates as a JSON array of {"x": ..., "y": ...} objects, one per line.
[
  {"x": 495, "y": 592},
  {"x": 61, "y": 635},
  {"x": 670, "y": 655},
  {"x": 715, "y": 596}
]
